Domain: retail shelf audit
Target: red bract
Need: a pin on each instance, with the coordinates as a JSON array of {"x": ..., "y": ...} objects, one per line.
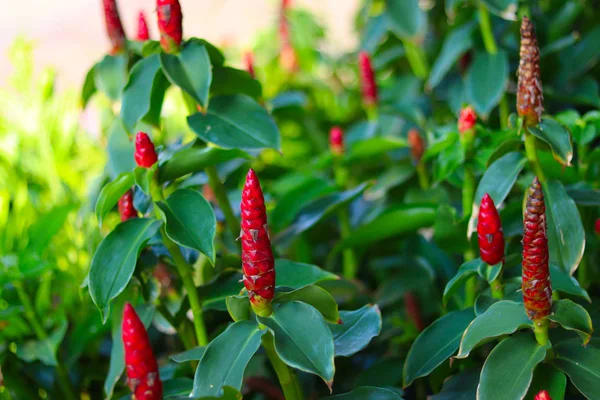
[
  {"x": 249, "y": 62},
  {"x": 169, "y": 24},
  {"x": 466, "y": 119},
  {"x": 367, "y": 79},
  {"x": 530, "y": 98},
  {"x": 417, "y": 145},
  {"x": 142, "y": 32},
  {"x": 126, "y": 208},
  {"x": 411, "y": 306},
  {"x": 114, "y": 28},
  {"x": 257, "y": 256},
  {"x": 145, "y": 154},
  {"x": 489, "y": 232},
  {"x": 542, "y": 395},
  {"x": 597, "y": 226},
  {"x": 537, "y": 291},
  {"x": 336, "y": 140},
  {"x": 142, "y": 370}
]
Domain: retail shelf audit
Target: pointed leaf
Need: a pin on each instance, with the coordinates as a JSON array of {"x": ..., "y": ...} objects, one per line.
[
  {"x": 464, "y": 272},
  {"x": 296, "y": 275},
  {"x": 194, "y": 354},
  {"x": 227, "y": 80},
  {"x": 486, "y": 80},
  {"x": 43, "y": 350},
  {"x": 506, "y": 9},
  {"x": 366, "y": 393},
  {"x": 238, "y": 307},
  {"x": 89, "y": 87},
  {"x": 563, "y": 282},
  {"x": 111, "y": 193},
  {"x": 456, "y": 44},
  {"x": 462, "y": 386},
  {"x": 406, "y": 17},
  {"x": 573, "y": 317},
  {"x": 110, "y": 76},
  {"x": 546, "y": 377},
  {"x": 120, "y": 150},
  {"x": 315, "y": 296},
  {"x": 581, "y": 365},
  {"x": 557, "y": 137},
  {"x": 356, "y": 330}
]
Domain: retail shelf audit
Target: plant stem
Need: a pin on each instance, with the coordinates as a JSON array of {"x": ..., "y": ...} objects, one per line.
[
  {"x": 540, "y": 328},
  {"x": 287, "y": 377},
  {"x": 504, "y": 113},
  {"x": 221, "y": 195},
  {"x": 468, "y": 190},
  {"x": 372, "y": 113},
  {"x": 532, "y": 156},
  {"x": 350, "y": 265},
  {"x": 486, "y": 29},
  {"x": 416, "y": 59},
  {"x": 497, "y": 287},
  {"x": 422, "y": 175},
  {"x": 186, "y": 336}
]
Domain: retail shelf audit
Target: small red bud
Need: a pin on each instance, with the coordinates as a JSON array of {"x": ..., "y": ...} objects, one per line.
[
  {"x": 142, "y": 32},
  {"x": 126, "y": 208},
  {"x": 336, "y": 140},
  {"x": 249, "y": 62},
  {"x": 597, "y": 226},
  {"x": 466, "y": 119},
  {"x": 417, "y": 145},
  {"x": 145, "y": 154},
  {"x": 114, "y": 27},
  {"x": 465, "y": 61},
  {"x": 489, "y": 232},
  {"x": 141, "y": 366},
  {"x": 543, "y": 395},
  {"x": 413, "y": 310},
  {"x": 367, "y": 79},
  {"x": 169, "y": 24}
]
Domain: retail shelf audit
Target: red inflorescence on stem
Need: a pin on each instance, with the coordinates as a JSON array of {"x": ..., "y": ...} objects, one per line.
[
  {"x": 126, "y": 208},
  {"x": 489, "y": 232},
  {"x": 466, "y": 119},
  {"x": 530, "y": 99},
  {"x": 417, "y": 145},
  {"x": 257, "y": 257},
  {"x": 413, "y": 310},
  {"x": 142, "y": 31},
  {"x": 114, "y": 27},
  {"x": 141, "y": 366},
  {"x": 543, "y": 395},
  {"x": 169, "y": 24},
  {"x": 597, "y": 226},
  {"x": 249, "y": 63},
  {"x": 336, "y": 140},
  {"x": 367, "y": 79},
  {"x": 145, "y": 154},
  {"x": 537, "y": 291}
]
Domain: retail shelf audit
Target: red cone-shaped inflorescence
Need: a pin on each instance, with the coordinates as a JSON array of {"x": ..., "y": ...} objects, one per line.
[
  {"x": 543, "y": 395},
  {"x": 597, "y": 226},
  {"x": 530, "y": 99},
  {"x": 489, "y": 232},
  {"x": 257, "y": 256},
  {"x": 367, "y": 79},
  {"x": 142, "y": 31},
  {"x": 169, "y": 24},
  {"x": 142, "y": 370},
  {"x": 145, "y": 154},
  {"x": 114, "y": 28},
  {"x": 466, "y": 119},
  {"x": 249, "y": 63},
  {"x": 336, "y": 140},
  {"x": 126, "y": 208},
  {"x": 413, "y": 310},
  {"x": 537, "y": 291},
  {"x": 417, "y": 145}
]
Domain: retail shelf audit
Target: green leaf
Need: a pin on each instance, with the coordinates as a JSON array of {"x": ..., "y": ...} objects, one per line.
[
  {"x": 114, "y": 261},
  {"x": 194, "y": 354},
  {"x": 43, "y": 350},
  {"x": 546, "y": 377},
  {"x": 557, "y": 137},
  {"x": 507, "y": 146},
  {"x": 143, "y": 177},
  {"x": 506, "y": 9},
  {"x": 502, "y": 318},
  {"x": 190, "y": 221},
  {"x": 563, "y": 282},
  {"x": 456, "y": 44},
  {"x": 462, "y": 386},
  {"x": 315, "y": 296},
  {"x": 374, "y": 147},
  {"x": 407, "y": 19},
  {"x": 110, "y": 76},
  {"x": 575, "y": 60},
  {"x": 111, "y": 193},
  {"x": 302, "y": 339},
  {"x": 512, "y": 292},
  {"x": 389, "y": 179},
  {"x": 190, "y": 69},
  {"x": 581, "y": 365},
  {"x": 236, "y": 122},
  {"x": 227, "y": 80},
  {"x": 89, "y": 86},
  {"x": 366, "y": 393},
  {"x": 573, "y": 317},
  {"x": 486, "y": 80},
  {"x": 238, "y": 307},
  {"x": 296, "y": 275},
  {"x": 566, "y": 237},
  {"x": 513, "y": 360},
  {"x": 357, "y": 329},
  {"x": 215, "y": 293},
  {"x": 584, "y": 196},
  {"x": 120, "y": 150},
  {"x": 465, "y": 271},
  {"x": 46, "y": 226},
  {"x": 436, "y": 344},
  {"x": 226, "y": 358},
  {"x": 177, "y": 387},
  {"x": 144, "y": 93}
]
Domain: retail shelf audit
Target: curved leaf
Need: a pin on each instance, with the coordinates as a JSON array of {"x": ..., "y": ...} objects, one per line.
[
  {"x": 557, "y": 137},
  {"x": 506, "y": 9},
  {"x": 546, "y": 377},
  {"x": 296, "y": 275},
  {"x": 562, "y": 281},
  {"x": 456, "y": 44},
  {"x": 111, "y": 193},
  {"x": 227, "y": 80},
  {"x": 486, "y": 80},
  {"x": 110, "y": 76},
  {"x": 573, "y": 317},
  {"x": 356, "y": 330},
  {"x": 581, "y": 365},
  {"x": 366, "y": 393},
  {"x": 407, "y": 19},
  {"x": 464, "y": 272},
  {"x": 315, "y": 296},
  {"x": 462, "y": 386}
]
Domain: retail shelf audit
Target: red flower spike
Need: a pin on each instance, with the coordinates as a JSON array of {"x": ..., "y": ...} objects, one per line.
[
  {"x": 466, "y": 119},
  {"x": 145, "y": 154},
  {"x": 542, "y": 395},
  {"x": 336, "y": 140},
  {"x": 417, "y": 145},
  {"x": 530, "y": 99},
  {"x": 169, "y": 24},
  {"x": 597, "y": 226},
  {"x": 367, "y": 79},
  {"x": 489, "y": 232},
  {"x": 249, "y": 62},
  {"x": 126, "y": 208},
  {"x": 141, "y": 367},
  {"x": 114, "y": 27},
  {"x": 142, "y": 32},
  {"x": 411, "y": 306},
  {"x": 257, "y": 257},
  {"x": 537, "y": 291}
]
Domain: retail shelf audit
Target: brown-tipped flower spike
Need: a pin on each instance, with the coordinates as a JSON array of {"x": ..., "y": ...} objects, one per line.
[
  {"x": 530, "y": 99},
  {"x": 367, "y": 79},
  {"x": 169, "y": 24},
  {"x": 142, "y": 369},
  {"x": 142, "y": 31},
  {"x": 145, "y": 154},
  {"x": 114, "y": 28},
  {"x": 543, "y": 395},
  {"x": 126, "y": 208},
  {"x": 489, "y": 232},
  {"x": 336, "y": 140},
  {"x": 417, "y": 145},
  {"x": 537, "y": 291},
  {"x": 466, "y": 119},
  {"x": 257, "y": 256},
  {"x": 249, "y": 63}
]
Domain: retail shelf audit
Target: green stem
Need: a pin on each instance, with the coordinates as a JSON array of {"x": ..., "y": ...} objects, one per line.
[
  {"x": 221, "y": 195},
  {"x": 416, "y": 59},
  {"x": 422, "y": 175},
  {"x": 285, "y": 375},
  {"x": 186, "y": 336},
  {"x": 468, "y": 190},
  {"x": 504, "y": 113},
  {"x": 471, "y": 284},
  {"x": 350, "y": 264},
  {"x": 372, "y": 113},
  {"x": 540, "y": 328},
  {"x": 497, "y": 287},
  {"x": 532, "y": 156},
  {"x": 486, "y": 29}
]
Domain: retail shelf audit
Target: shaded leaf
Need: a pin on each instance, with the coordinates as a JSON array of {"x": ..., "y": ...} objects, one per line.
[
  {"x": 357, "y": 329},
  {"x": 111, "y": 193}
]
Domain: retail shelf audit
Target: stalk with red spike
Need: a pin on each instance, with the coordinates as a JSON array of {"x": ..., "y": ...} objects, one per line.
[
  {"x": 142, "y": 30},
  {"x": 249, "y": 63},
  {"x": 466, "y": 120},
  {"x": 141, "y": 366},
  {"x": 489, "y": 232},
  {"x": 126, "y": 208},
  {"x": 530, "y": 98},
  {"x": 336, "y": 140},
  {"x": 413, "y": 310},
  {"x": 114, "y": 27},
  {"x": 597, "y": 226},
  {"x": 367, "y": 80},
  {"x": 169, "y": 24},
  {"x": 417, "y": 145},
  {"x": 145, "y": 154},
  {"x": 542, "y": 395},
  {"x": 257, "y": 257}
]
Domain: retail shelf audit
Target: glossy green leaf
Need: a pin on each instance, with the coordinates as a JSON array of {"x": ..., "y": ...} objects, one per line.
[
  {"x": 177, "y": 387},
  {"x": 215, "y": 293},
  {"x": 462, "y": 386},
  {"x": 190, "y": 69},
  {"x": 374, "y": 147},
  {"x": 110, "y": 76},
  {"x": 194, "y": 354},
  {"x": 115, "y": 258},
  {"x": 302, "y": 339},
  {"x": 226, "y": 358},
  {"x": 43, "y": 350},
  {"x": 581, "y": 364},
  {"x": 506, "y": 9},
  {"x": 238, "y": 307},
  {"x": 546, "y": 377},
  {"x": 357, "y": 329},
  {"x": 111, "y": 193},
  {"x": 236, "y": 122},
  {"x": 558, "y": 137},
  {"x": 389, "y": 179},
  {"x": 143, "y": 177},
  {"x": 46, "y": 226},
  {"x": 296, "y": 275},
  {"x": 227, "y": 80},
  {"x": 486, "y": 80},
  {"x": 120, "y": 150},
  {"x": 406, "y": 18},
  {"x": 502, "y": 318},
  {"x": 576, "y": 59},
  {"x": 191, "y": 221},
  {"x": 436, "y": 344},
  {"x": 465, "y": 271},
  {"x": 455, "y": 44},
  {"x": 366, "y": 393},
  {"x": 89, "y": 86},
  {"x": 217, "y": 58},
  {"x": 573, "y": 317},
  {"x": 563, "y": 282},
  {"x": 507, "y": 146},
  {"x": 513, "y": 360},
  {"x": 584, "y": 196},
  {"x": 512, "y": 292},
  {"x": 566, "y": 236},
  {"x": 315, "y": 296}
]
